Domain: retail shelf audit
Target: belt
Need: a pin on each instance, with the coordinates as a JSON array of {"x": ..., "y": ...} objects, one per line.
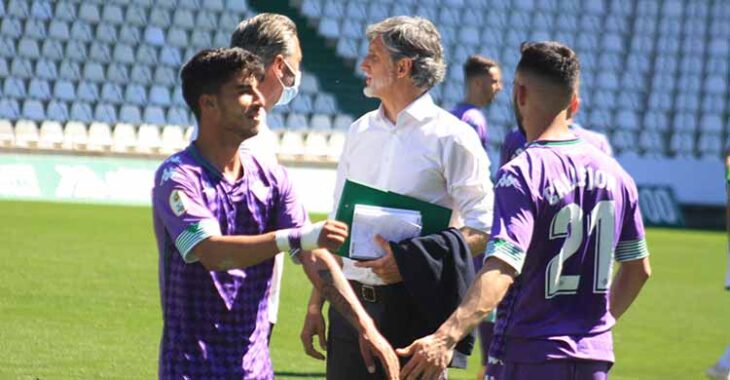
[{"x": 377, "y": 293}]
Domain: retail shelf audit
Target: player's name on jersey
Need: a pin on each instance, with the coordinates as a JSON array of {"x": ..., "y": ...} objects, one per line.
[{"x": 584, "y": 177}]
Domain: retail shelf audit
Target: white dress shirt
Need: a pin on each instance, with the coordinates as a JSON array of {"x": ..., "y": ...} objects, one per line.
[{"x": 428, "y": 154}]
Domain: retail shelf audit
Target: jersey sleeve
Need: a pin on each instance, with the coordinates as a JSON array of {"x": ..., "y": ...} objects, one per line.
[
  {"x": 514, "y": 218},
  {"x": 178, "y": 204},
  {"x": 290, "y": 210},
  {"x": 632, "y": 242}
]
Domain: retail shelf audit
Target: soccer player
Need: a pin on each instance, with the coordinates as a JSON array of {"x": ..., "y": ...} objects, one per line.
[
  {"x": 220, "y": 217},
  {"x": 515, "y": 141},
  {"x": 563, "y": 212},
  {"x": 483, "y": 82}
]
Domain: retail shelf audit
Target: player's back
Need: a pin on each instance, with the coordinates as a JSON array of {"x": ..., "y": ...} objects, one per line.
[{"x": 575, "y": 201}]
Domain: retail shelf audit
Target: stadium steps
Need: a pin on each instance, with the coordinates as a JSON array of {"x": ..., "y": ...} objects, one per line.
[{"x": 334, "y": 73}]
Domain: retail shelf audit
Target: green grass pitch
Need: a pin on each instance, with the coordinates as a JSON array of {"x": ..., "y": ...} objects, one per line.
[{"x": 79, "y": 300}]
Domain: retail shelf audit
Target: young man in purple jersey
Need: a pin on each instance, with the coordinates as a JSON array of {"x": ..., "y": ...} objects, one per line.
[
  {"x": 564, "y": 211},
  {"x": 220, "y": 217},
  {"x": 483, "y": 82},
  {"x": 515, "y": 141}
]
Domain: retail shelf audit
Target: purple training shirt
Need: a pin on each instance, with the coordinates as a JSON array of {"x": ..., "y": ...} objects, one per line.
[
  {"x": 473, "y": 116},
  {"x": 216, "y": 323},
  {"x": 515, "y": 141},
  {"x": 564, "y": 211}
]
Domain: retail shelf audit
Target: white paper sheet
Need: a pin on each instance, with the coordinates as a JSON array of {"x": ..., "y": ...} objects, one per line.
[{"x": 392, "y": 224}]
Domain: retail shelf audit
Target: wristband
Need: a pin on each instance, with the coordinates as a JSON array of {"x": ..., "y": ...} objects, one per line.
[{"x": 302, "y": 238}]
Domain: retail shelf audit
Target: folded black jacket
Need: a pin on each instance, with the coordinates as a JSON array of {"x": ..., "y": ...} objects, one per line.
[{"x": 437, "y": 271}]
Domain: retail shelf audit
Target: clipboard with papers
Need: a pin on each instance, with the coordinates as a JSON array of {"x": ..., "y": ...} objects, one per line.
[{"x": 368, "y": 210}]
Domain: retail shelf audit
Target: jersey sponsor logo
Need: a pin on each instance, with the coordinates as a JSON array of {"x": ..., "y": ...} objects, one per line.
[
  {"x": 177, "y": 202},
  {"x": 507, "y": 180},
  {"x": 577, "y": 177},
  {"x": 168, "y": 173}
]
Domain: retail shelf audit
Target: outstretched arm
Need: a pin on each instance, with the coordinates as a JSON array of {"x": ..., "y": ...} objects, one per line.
[
  {"x": 432, "y": 354},
  {"x": 327, "y": 277}
]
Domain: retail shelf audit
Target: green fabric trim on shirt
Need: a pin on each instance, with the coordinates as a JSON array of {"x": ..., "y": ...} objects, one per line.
[
  {"x": 194, "y": 234},
  {"x": 507, "y": 252},
  {"x": 631, "y": 250},
  {"x": 574, "y": 141}
]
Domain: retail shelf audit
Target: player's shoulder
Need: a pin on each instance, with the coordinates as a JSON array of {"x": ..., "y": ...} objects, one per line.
[{"x": 179, "y": 165}]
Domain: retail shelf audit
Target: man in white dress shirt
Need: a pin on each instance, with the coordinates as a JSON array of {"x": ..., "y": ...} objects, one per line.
[
  {"x": 411, "y": 146},
  {"x": 272, "y": 37}
]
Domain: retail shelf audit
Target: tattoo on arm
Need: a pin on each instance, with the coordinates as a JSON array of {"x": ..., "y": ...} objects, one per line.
[{"x": 333, "y": 292}]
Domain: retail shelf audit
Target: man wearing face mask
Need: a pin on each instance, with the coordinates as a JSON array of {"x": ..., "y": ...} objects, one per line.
[{"x": 272, "y": 37}]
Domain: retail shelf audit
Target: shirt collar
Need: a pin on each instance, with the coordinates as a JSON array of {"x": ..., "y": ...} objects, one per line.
[{"x": 420, "y": 109}]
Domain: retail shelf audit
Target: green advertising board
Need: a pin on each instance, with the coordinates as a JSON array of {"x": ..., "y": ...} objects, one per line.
[{"x": 90, "y": 179}]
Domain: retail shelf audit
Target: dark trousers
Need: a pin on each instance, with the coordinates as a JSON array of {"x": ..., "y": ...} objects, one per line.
[{"x": 394, "y": 315}]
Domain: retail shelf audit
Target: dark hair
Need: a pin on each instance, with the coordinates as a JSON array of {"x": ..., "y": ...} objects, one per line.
[
  {"x": 266, "y": 35},
  {"x": 478, "y": 65},
  {"x": 551, "y": 60},
  {"x": 209, "y": 69}
]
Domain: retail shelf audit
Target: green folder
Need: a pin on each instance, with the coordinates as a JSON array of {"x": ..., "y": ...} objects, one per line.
[{"x": 435, "y": 218}]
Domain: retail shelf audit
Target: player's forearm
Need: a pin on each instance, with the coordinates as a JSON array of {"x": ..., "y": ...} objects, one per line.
[
  {"x": 475, "y": 239},
  {"x": 630, "y": 278},
  {"x": 230, "y": 252},
  {"x": 485, "y": 293},
  {"x": 315, "y": 302},
  {"x": 330, "y": 283}
]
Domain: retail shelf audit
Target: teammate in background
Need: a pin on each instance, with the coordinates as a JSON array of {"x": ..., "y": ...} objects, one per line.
[
  {"x": 272, "y": 37},
  {"x": 515, "y": 141},
  {"x": 483, "y": 82},
  {"x": 563, "y": 212},
  {"x": 721, "y": 369},
  {"x": 220, "y": 217}
]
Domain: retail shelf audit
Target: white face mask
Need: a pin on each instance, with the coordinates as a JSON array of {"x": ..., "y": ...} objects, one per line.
[{"x": 288, "y": 93}]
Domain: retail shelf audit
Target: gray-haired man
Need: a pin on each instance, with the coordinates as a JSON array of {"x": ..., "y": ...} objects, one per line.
[{"x": 410, "y": 146}]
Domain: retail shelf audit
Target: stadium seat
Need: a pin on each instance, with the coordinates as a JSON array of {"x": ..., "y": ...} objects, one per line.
[
  {"x": 39, "y": 89},
  {"x": 146, "y": 55},
  {"x": 177, "y": 37},
  {"x": 154, "y": 115},
  {"x": 682, "y": 145},
  {"x": 342, "y": 122},
  {"x": 656, "y": 120},
  {"x": 106, "y": 113},
  {"x": 26, "y": 134},
  {"x": 170, "y": 56},
  {"x": 111, "y": 93},
  {"x": 112, "y": 14},
  {"x": 89, "y": 13},
  {"x": 159, "y": 96},
  {"x": 651, "y": 143},
  {"x": 123, "y": 53},
  {"x": 9, "y": 109},
  {"x": 21, "y": 68},
  {"x": 81, "y": 31},
  {"x": 50, "y": 135},
  {"x": 75, "y": 136},
  {"x": 59, "y": 30},
  {"x": 129, "y": 35},
  {"x": 135, "y": 16},
  {"x": 14, "y": 88},
  {"x": 709, "y": 145},
  {"x": 315, "y": 145},
  {"x": 33, "y": 110},
  {"x": 7, "y": 135},
  {"x": 35, "y": 29},
  {"x": 685, "y": 122},
  {"x": 320, "y": 122},
  {"x": 206, "y": 21},
  {"x": 159, "y": 17},
  {"x": 172, "y": 139},
  {"x": 135, "y": 94},
  {"x": 711, "y": 123},
  {"x": 41, "y": 10},
  {"x": 57, "y": 111},
  {"x": 177, "y": 116},
  {"x": 11, "y": 27},
  {"x": 292, "y": 144},
  {"x": 624, "y": 141},
  {"x": 183, "y": 18},
  {"x": 124, "y": 138},
  {"x": 51, "y": 49},
  {"x": 148, "y": 139},
  {"x": 100, "y": 137},
  {"x": 130, "y": 114},
  {"x": 94, "y": 72}
]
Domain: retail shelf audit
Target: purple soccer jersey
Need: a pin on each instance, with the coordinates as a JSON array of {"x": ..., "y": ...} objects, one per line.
[
  {"x": 216, "y": 322},
  {"x": 473, "y": 116},
  {"x": 515, "y": 141},
  {"x": 564, "y": 211}
]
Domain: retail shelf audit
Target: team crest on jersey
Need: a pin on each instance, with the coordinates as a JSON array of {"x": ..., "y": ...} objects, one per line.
[
  {"x": 507, "y": 180},
  {"x": 177, "y": 202}
]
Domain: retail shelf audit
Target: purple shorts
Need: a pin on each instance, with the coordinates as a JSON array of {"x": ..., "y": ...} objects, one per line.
[{"x": 550, "y": 370}]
